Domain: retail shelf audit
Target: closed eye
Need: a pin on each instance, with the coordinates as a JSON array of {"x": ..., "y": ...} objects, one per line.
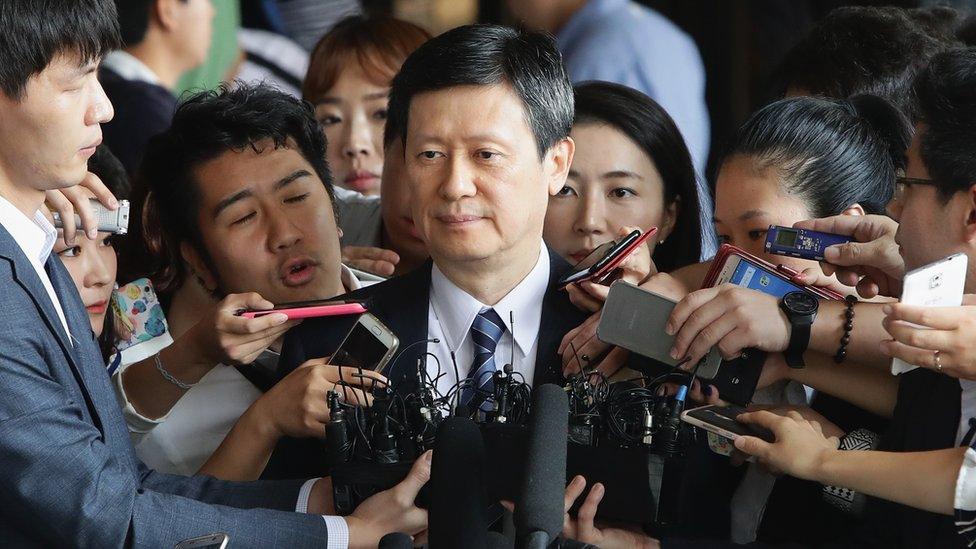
[
  {"x": 245, "y": 219},
  {"x": 295, "y": 199}
]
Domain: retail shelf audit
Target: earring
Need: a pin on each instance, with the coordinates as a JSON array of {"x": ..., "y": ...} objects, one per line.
[{"x": 659, "y": 242}]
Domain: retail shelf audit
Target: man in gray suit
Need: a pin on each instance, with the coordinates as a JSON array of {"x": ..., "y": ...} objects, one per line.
[{"x": 69, "y": 475}]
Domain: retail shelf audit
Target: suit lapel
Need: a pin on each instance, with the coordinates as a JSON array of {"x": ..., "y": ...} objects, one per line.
[
  {"x": 559, "y": 316},
  {"x": 405, "y": 312}
]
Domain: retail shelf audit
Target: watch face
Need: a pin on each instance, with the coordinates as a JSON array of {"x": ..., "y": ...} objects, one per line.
[{"x": 801, "y": 303}]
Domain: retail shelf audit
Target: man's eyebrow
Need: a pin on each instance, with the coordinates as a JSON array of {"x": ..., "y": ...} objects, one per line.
[
  {"x": 291, "y": 178},
  {"x": 231, "y": 200}
]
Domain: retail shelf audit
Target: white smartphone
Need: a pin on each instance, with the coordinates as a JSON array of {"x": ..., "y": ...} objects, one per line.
[
  {"x": 939, "y": 284},
  {"x": 111, "y": 221},
  {"x": 210, "y": 541},
  {"x": 634, "y": 318},
  {"x": 369, "y": 345}
]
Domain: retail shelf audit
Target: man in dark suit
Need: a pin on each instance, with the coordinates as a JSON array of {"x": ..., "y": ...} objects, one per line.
[
  {"x": 69, "y": 476},
  {"x": 485, "y": 114}
]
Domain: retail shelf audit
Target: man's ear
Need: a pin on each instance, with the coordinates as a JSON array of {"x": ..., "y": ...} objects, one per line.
[
  {"x": 854, "y": 209},
  {"x": 164, "y": 14},
  {"x": 557, "y": 162},
  {"x": 199, "y": 266},
  {"x": 970, "y": 205}
]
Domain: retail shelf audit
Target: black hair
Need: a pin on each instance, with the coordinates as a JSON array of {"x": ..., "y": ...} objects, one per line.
[
  {"x": 485, "y": 55},
  {"x": 860, "y": 50},
  {"x": 947, "y": 106},
  {"x": 37, "y": 31},
  {"x": 134, "y": 16},
  {"x": 645, "y": 123},
  {"x": 966, "y": 31},
  {"x": 940, "y": 22},
  {"x": 830, "y": 153},
  {"x": 110, "y": 170},
  {"x": 205, "y": 126}
]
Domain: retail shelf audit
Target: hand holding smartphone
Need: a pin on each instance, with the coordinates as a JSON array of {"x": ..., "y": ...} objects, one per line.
[
  {"x": 733, "y": 265},
  {"x": 721, "y": 420},
  {"x": 604, "y": 260},
  {"x": 310, "y": 309}
]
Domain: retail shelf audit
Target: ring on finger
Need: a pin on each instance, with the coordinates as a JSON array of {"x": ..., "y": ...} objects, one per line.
[{"x": 938, "y": 360}]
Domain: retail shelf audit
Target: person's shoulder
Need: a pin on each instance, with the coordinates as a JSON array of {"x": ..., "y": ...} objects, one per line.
[{"x": 616, "y": 30}]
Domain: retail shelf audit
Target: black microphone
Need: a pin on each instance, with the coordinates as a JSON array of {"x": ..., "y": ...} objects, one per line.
[
  {"x": 457, "y": 487},
  {"x": 338, "y": 448},
  {"x": 396, "y": 540},
  {"x": 539, "y": 511}
]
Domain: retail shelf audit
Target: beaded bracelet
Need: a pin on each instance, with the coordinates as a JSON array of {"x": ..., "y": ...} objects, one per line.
[{"x": 845, "y": 339}]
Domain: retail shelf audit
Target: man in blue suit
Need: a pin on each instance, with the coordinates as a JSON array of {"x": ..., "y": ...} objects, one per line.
[{"x": 69, "y": 476}]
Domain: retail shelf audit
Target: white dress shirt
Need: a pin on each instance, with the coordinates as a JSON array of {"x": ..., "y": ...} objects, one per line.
[
  {"x": 452, "y": 311},
  {"x": 36, "y": 238}
]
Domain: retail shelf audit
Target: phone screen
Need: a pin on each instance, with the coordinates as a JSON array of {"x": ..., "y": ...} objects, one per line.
[
  {"x": 594, "y": 256},
  {"x": 753, "y": 277},
  {"x": 361, "y": 349}
]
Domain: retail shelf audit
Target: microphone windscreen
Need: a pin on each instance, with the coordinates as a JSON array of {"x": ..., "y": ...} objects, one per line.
[
  {"x": 456, "y": 514},
  {"x": 540, "y": 504},
  {"x": 396, "y": 540}
]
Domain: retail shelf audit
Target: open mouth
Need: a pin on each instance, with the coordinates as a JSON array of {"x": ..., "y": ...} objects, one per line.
[{"x": 298, "y": 273}]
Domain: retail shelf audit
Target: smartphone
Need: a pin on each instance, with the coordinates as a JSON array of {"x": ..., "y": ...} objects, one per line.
[
  {"x": 939, "y": 284},
  {"x": 210, "y": 541},
  {"x": 634, "y": 318},
  {"x": 801, "y": 243},
  {"x": 310, "y": 309},
  {"x": 738, "y": 267},
  {"x": 369, "y": 345},
  {"x": 721, "y": 421},
  {"x": 605, "y": 259},
  {"x": 110, "y": 221}
]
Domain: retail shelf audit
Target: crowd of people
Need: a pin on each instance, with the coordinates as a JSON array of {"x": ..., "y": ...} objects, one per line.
[{"x": 451, "y": 182}]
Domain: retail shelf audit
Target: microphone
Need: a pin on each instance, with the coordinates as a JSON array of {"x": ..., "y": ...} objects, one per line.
[
  {"x": 539, "y": 512},
  {"x": 338, "y": 448},
  {"x": 396, "y": 540},
  {"x": 457, "y": 487}
]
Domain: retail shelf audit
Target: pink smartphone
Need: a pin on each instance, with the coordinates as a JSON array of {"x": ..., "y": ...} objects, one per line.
[{"x": 311, "y": 309}]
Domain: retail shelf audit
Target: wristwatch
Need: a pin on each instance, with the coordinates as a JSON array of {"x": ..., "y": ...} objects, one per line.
[{"x": 801, "y": 310}]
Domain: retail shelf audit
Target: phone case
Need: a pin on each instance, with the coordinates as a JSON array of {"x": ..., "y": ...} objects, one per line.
[
  {"x": 314, "y": 311},
  {"x": 141, "y": 329},
  {"x": 938, "y": 284},
  {"x": 634, "y": 318},
  {"x": 782, "y": 271}
]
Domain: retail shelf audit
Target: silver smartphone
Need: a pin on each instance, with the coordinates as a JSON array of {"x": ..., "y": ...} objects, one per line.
[
  {"x": 369, "y": 345},
  {"x": 109, "y": 221},
  {"x": 939, "y": 284},
  {"x": 210, "y": 541},
  {"x": 634, "y": 318}
]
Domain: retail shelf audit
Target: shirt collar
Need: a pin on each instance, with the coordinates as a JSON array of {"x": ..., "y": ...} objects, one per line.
[
  {"x": 455, "y": 309},
  {"x": 35, "y": 236},
  {"x": 348, "y": 278},
  {"x": 129, "y": 67},
  {"x": 582, "y": 18}
]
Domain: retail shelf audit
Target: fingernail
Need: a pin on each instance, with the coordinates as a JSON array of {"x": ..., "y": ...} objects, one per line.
[
  {"x": 429, "y": 456},
  {"x": 887, "y": 309},
  {"x": 93, "y": 234},
  {"x": 674, "y": 353},
  {"x": 279, "y": 319},
  {"x": 114, "y": 203},
  {"x": 707, "y": 390},
  {"x": 831, "y": 253},
  {"x": 669, "y": 329}
]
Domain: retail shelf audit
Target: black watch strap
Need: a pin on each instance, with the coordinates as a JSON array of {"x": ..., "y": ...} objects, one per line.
[{"x": 799, "y": 341}]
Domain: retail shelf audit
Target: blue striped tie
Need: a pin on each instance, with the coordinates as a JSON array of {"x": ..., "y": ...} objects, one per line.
[{"x": 486, "y": 331}]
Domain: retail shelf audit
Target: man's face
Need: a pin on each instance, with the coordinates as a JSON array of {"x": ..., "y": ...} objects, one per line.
[
  {"x": 192, "y": 25},
  {"x": 395, "y": 206},
  {"x": 48, "y": 135},
  {"x": 929, "y": 228},
  {"x": 478, "y": 186},
  {"x": 268, "y": 226}
]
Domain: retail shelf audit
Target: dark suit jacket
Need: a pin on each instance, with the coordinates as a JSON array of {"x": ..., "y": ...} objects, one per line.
[
  {"x": 402, "y": 304},
  {"x": 69, "y": 475}
]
